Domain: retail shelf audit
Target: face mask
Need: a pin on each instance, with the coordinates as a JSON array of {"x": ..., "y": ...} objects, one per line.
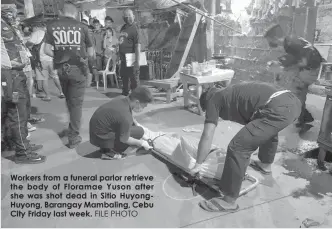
[
  {"x": 128, "y": 20},
  {"x": 138, "y": 108}
]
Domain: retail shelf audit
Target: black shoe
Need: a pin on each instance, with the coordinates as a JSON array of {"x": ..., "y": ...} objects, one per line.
[
  {"x": 34, "y": 147},
  {"x": 75, "y": 142},
  {"x": 321, "y": 165},
  {"x": 29, "y": 158},
  {"x": 308, "y": 117},
  {"x": 63, "y": 133}
]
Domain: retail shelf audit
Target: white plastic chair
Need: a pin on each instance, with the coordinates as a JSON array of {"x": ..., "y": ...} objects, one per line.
[
  {"x": 324, "y": 51},
  {"x": 107, "y": 72}
]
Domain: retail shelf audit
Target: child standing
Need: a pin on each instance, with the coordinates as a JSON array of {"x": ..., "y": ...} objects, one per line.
[{"x": 110, "y": 47}]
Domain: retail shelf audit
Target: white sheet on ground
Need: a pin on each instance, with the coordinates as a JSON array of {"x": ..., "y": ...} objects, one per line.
[{"x": 182, "y": 152}]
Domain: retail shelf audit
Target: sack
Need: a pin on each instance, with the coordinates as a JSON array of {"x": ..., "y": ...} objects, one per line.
[{"x": 182, "y": 152}]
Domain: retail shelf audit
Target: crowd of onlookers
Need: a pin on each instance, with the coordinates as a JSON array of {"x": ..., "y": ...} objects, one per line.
[
  {"x": 27, "y": 66},
  {"x": 105, "y": 42}
]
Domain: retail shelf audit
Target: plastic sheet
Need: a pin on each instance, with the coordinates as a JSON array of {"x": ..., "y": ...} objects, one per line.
[{"x": 182, "y": 152}]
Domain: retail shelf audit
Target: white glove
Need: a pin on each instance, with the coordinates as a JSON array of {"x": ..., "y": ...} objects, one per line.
[
  {"x": 146, "y": 145},
  {"x": 197, "y": 168}
]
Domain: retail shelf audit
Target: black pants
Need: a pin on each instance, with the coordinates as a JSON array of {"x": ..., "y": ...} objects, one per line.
[
  {"x": 136, "y": 132},
  {"x": 14, "y": 119},
  {"x": 72, "y": 81},
  {"x": 261, "y": 132},
  {"x": 300, "y": 87},
  {"x": 130, "y": 79}
]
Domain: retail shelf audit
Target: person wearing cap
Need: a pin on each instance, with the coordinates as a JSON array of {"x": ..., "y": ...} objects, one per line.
[
  {"x": 302, "y": 61},
  {"x": 113, "y": 128},
  {"x": 15, "y": 107},
  {"x": 264, "y": 109},
  {"x": 68, "y": 41}
]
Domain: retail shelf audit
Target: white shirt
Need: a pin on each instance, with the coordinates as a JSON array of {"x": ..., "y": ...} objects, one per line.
[{"x": 36, "y": 38}]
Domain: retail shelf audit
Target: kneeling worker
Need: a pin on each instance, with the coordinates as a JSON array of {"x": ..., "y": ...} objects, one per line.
[
  {"x": 264, "y": 110},
  {"x": 113, "y": 128}
]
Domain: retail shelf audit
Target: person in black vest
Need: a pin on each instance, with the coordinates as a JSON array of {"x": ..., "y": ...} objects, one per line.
[
  {"x": 129, "y": 42},
  {"x": 71, "y": 42},
  {"x": 301, "y": 58},
  {"x": 15, "y": 96},
  {"x": 264, "y": 110}
]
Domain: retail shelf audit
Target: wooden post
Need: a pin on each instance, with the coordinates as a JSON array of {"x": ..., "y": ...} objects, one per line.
[
  {"x": 305, "y": 33},
  {"x": 210, "y": 30},
  {"x": 28, "y": 9}
]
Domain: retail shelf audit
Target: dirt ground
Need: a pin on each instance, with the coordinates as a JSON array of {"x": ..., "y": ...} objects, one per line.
[{"x": 295, "y": 191}]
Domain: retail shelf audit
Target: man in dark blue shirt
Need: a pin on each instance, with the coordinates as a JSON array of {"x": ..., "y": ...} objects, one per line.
[
  {"x": 264, "y": 110},
  {"x": 129, "y": 42},
  {"x": 71, "y": 43},
  {"x": 303, "y": 59},
  {"x": 113, "y": 128}
]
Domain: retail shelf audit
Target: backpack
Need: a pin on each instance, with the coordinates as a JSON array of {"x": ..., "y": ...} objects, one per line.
[{"x": 35, "y": 59}]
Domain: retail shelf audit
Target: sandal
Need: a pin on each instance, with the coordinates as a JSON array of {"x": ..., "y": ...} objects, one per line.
[
  {"x": 46, "y": 99},
  {"x": 215, "y": 206},
  {"x": 256, "y": 166}
]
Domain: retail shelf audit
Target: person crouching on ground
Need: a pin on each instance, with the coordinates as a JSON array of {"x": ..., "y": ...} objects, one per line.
[
  {"x": 264, "y": 110},
  {"x": 113, "y": 128},
  {"x": 301, "y": 58}
]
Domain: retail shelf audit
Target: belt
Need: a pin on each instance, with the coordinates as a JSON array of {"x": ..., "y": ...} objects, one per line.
[{"x": 276, "y": 94}]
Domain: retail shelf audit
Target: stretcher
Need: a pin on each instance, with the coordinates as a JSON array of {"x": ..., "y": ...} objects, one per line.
[{"x": 181, "y": 153}]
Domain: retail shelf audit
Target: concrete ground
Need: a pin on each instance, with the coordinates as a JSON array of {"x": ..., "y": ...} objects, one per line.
[{"x": 294, "y": 192}]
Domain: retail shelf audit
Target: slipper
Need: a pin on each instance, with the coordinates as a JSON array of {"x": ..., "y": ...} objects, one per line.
[
  {"x": 213, "y": 206},
  {"x": 255, "y": 166}
]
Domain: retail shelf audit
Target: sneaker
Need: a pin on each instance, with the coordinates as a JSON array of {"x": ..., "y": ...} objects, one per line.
[
  {"x": 36, "y": 120},
  {"x": 31, "y": 127},
  {"x": 321, "y": 166},
  {"x": 111, "y": 154},
  {"x": 29, "y": 158},
  {"x": 34, "y": 147},
  {"x": 63, "y": 133},
  {"x": 74, "y": 143}
]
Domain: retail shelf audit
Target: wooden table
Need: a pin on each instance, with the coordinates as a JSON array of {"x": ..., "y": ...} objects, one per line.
[{"x": 218, "y": 75}]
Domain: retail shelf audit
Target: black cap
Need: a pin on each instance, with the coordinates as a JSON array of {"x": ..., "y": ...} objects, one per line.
[{"x": 108, "y": 18}]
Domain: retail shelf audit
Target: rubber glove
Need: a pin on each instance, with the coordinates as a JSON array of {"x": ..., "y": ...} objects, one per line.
[{"x": 146, "y": 145}]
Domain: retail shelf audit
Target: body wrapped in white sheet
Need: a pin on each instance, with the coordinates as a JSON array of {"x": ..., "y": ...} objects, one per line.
[{"x": 182, "y": 152}]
